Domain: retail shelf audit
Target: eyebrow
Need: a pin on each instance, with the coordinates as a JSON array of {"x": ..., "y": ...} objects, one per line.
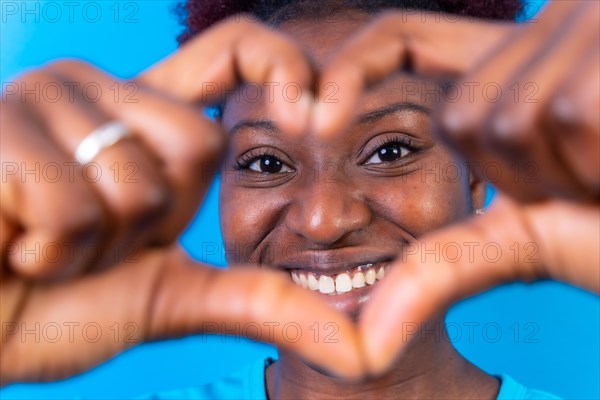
[
  {"x": 390, "y": 109},
  {"x": 268, "y": 126},
  {"x": 264, "y": 125}
]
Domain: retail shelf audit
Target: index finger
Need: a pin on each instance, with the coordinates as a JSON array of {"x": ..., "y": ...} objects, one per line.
[
  {"x": 234, "y": 51},
  {"x": 395, "y": 40}
]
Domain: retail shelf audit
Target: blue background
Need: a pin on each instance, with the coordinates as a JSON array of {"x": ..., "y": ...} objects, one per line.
[{"x": 557, "y": 347}]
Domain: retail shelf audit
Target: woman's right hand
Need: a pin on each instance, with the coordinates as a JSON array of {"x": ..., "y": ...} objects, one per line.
[{"x": 89, "y": 260}]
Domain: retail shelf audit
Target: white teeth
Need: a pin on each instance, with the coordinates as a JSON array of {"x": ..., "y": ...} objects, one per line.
[
  {"x": 370, "y": 276},
  {"x": 295, "y": 278},
  {"x": 358, "y": 280},
  {"x": 326, "y": 284},
  {"x": 303, "y": 281},
  {"x": 358, "y": 277},
  {"x": 343, "y": 283},
  {"x": 313, "y": 283}
]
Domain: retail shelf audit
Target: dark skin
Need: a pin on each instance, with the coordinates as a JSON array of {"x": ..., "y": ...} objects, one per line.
[
  {"x": 359, "y": 202},
  {"x": 174, "y": 296}
]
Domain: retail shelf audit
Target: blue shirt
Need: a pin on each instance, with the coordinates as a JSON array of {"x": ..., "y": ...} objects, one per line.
[{"x": 249, "y": 383}]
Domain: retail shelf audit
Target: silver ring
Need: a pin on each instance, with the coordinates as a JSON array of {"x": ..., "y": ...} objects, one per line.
[
  {"x": 99, "y": 139},
  {"x": 479, "y": 211}
]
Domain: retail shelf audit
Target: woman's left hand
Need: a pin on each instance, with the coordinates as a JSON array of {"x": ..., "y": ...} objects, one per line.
[{"x": 545, "y": 228}]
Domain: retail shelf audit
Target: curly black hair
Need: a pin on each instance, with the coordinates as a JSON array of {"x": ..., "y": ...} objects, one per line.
[{"x": 198, "y": 15}]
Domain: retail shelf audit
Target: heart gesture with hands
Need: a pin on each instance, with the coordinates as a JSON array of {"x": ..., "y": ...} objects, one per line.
[{"x": 162, "y": 293}]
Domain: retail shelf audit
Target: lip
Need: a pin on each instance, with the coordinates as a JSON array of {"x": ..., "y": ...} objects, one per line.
[
  {"x": 333, "y": 262},
  {"x": 349, "y": 303}
]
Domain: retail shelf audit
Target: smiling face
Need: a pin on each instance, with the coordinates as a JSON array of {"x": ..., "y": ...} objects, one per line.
[{"x": 334, "y": 213}]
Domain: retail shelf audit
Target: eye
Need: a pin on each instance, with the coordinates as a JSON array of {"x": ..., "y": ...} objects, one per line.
[
  {"x": 268, "y": 165},
  {"x": 388, "y": 152}
]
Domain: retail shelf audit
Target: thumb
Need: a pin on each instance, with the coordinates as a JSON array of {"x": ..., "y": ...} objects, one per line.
[
  {"x": 51, "y": 331},
  {"x": 256, "y": 303},
  {"x": 510, "y": 243}
]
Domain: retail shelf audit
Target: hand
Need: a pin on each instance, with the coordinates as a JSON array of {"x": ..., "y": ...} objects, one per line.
[
  {"x": 552, "y": 230},
  {"x": 554, "y": 239},
  {"x": 79, "y": 278},
  {"x": 556, "y": 58}
]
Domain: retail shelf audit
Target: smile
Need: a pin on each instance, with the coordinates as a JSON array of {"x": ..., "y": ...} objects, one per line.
[{"x": 358, "y": 277}]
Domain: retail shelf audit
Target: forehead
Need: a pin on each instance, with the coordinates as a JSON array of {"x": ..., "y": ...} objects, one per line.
[{"x": 320, "y": 37}]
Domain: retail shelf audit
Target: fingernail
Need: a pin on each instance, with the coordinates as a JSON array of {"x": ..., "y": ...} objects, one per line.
[
  {"x": 292, "y": 116},
  {"x": 318, "y": 124},
  {"x": 502, "y": 126},
  {"x": 303, "y": 109},
  {"x": 563, "y": 109},
  {"x": 453, "y": 122}
]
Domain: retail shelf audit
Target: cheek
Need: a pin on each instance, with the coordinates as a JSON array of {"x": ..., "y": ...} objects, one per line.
[
  {"x": 421, "y": 203},
  {"x": 247, "y": 217}
]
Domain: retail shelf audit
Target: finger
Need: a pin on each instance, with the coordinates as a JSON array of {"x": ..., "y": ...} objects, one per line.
[
  {"x": 460, "y": 118},
  {"x": 572, "y": 118},
  {"x": 516, "y": 130},
  {"x": 263, "y": 305},
  {"x": 8, "y": 232},
  {"x": 568, "y": 235},
  {"x": 506, "y": 131},
  {"x": 479, "y": 254},
  {"x": 125, "y": 176},
  {"x": 13, "y": 297},
  {"x": 171, "y": 299},
  {"x": 108, "y": 316},
  {"x": 391, "y": 42},
  {"x": 52, "y": 230},
  {"x": 185, "y": 145},
  {"x": 233, "y": 51}
]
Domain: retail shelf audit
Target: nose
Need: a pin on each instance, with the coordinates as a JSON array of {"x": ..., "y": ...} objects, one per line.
[{"x": 324, "y": 213}]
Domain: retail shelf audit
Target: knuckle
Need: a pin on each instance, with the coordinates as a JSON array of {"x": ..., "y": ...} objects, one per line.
[
  {"x": 29, "y": 80},
  {"x": 36, "y": 75},
  {"x": 84, "y": 220},
  {"x": 157, "y": 201},
  {"x": 389, "y": 24},
  {"x": 566, "y": 111},
  {"x": 455, "y": 122},
  {"x": 151, "y": 203},
  {"x": 68, "y": 65},
  {"x": 198, "y": 150},
  {"x": 509, "y": 128}
]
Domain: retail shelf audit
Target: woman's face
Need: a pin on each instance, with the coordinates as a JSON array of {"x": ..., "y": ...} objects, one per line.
[{"x": 332, "y": 213}]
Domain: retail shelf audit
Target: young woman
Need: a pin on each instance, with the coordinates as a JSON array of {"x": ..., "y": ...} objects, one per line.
[{"x": 332, "y": 212}]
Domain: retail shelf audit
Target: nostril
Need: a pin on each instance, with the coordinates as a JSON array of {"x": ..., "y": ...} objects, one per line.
[{"x": 327, "y": 218}]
